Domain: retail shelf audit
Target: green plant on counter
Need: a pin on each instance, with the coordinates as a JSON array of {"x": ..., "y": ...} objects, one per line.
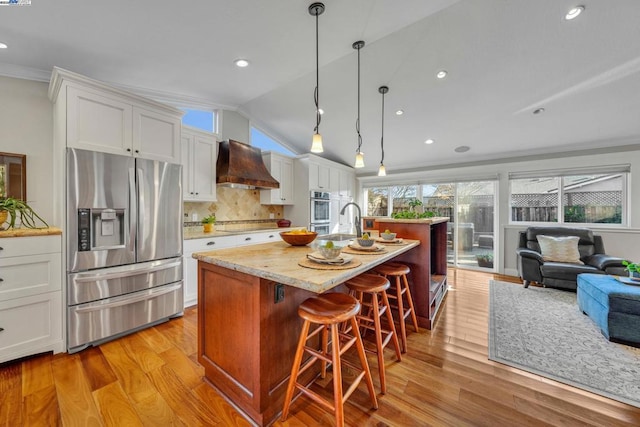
[
  {"x": 485, "y": 257},
  {"x": 412, "y": 215},
  {"x": 211, "y": 219},
  {"x": 19, "y": 209}
]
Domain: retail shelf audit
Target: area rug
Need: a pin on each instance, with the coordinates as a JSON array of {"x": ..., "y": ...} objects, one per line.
[{"x": 542, "y": 331}]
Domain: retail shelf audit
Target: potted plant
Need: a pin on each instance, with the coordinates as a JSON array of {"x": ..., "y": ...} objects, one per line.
[
  {"x": 208, "y": 222},
  {"x": 633, "y": 269},
  {"x": 485, "y": 260},
  {"x": 12, "y": 209}
]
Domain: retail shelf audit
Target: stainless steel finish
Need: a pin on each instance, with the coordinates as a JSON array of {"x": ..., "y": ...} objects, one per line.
[
  {"x": 124, "y": 239},
  {"x": 358, "y": 225},
  {"x": 99, "y": 181},
  {"x": 108, "y": 282},
  {"x": 159, "y": 210},
  {"x": 108, "y": 318}
]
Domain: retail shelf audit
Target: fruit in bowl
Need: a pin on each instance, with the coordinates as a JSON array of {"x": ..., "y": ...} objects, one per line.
[
  {"x": 388, "y": 235},
  {"x": 365, "y": 241},
  {"x": 330, "y": 250},
  {"x": 298, "y": 237}
]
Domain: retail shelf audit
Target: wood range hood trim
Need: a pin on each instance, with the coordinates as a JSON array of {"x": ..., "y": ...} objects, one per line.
[{"x": 240, "y": 165}]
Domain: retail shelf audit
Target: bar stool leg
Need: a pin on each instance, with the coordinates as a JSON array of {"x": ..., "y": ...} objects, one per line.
[
  {"x": 403, "y": 328},
  {"x": 325, "y": 345},
  {"x": 337, "y": 376},
  {"x": 364, "y": 363},
  {"x": 410, "y": 301},
  {"x": 392, "y": 326},
  {"x": 295, "y": 368}
]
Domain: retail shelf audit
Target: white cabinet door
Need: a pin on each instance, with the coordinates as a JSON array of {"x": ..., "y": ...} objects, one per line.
[
  {"x": 346, "y": 183},
  {"x": 318, "y": 177},
  {"x": 281, "y": 168},
  {"x": 98, "y": 123},
  {"x": 199, "y": 155},
  {"x": 156, "y": 136}
]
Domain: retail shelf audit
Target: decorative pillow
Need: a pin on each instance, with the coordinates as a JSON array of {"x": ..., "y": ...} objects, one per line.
[{"x": 560, "y": 249}]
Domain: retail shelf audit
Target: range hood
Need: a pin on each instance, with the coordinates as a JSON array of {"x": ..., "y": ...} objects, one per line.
[{"x": 240, "y": 166}]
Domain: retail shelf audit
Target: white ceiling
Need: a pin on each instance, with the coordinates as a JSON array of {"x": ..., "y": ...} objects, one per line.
[{"x": 504, "y": 58}]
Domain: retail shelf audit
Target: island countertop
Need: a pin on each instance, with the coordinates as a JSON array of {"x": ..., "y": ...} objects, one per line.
[
  {"x": 432, "y": 220},
  {"x": 278, "y": 261}
]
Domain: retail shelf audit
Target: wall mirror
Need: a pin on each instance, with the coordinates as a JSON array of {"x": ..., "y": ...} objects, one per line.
[{"x": 13, "y": 176}]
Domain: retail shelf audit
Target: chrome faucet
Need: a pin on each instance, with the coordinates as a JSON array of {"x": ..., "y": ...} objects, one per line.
[{"x": 358, "y": 225}]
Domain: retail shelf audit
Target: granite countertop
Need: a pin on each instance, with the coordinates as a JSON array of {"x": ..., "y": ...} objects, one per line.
[
  {"x": 433, "y": 220},
  {"x": 278, "y": 261},
  {"x": 28, "y": 232},
  {"x": 197, "y": 232}
]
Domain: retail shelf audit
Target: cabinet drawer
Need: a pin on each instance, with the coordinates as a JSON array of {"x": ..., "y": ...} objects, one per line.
[
  {"x": 30, "y": 325},
  {"x": 21, "y": 246},
  {"x": 209, "y": 244},
  {"x": 255, "y": 238},
  {"x": 29, "y": 275}
]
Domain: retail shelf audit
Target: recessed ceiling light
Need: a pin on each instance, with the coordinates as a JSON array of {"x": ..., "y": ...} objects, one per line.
[
  {"x": 462, "y": 149},
  {"x": 3, "y": 46},
  {"x": 429, "y": 141},
  {"x": 441, "y": 74},
  {"x": 399, "y": 113},
  {"x": 573, "y": 13},
  {"x": 538, "y": 111},
  {"x": 241, "y": 63}
]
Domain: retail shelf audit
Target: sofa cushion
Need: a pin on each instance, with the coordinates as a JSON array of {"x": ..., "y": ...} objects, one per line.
[
  {"x": 560, "y": 249},
  {"x": 566, "y": 271},
  {"x": 586, "y": 244}
]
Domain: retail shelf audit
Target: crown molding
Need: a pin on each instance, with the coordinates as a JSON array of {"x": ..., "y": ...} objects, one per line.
[{"x": 26, "y": 73}]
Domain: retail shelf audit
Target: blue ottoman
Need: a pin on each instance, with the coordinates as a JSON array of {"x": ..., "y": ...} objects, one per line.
[{"x": 613, "y": 306}]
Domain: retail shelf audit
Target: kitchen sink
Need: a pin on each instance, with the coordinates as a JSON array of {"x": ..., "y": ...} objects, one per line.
[{"x": 338, "y": 237}]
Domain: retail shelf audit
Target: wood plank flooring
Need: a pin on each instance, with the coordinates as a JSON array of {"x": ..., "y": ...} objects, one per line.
[{"x": 152, "y": 378}]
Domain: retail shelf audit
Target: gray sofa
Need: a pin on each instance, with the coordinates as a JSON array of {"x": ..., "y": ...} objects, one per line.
[{"x": 532, "y": 268}]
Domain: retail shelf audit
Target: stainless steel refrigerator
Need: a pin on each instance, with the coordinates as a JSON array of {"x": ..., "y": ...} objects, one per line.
[{"x": 124, "y": 245}]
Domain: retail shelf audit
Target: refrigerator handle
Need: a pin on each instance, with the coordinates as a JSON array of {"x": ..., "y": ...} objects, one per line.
[
  {"x": 92, "y": 276},
  {"x": 133, "y": 208},
  {"x": 127, "y": 299}
]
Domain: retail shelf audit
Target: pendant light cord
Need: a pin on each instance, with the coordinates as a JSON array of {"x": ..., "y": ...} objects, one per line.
[
  {"x": 358, "y": 119},
  {"x": 382, "y": 134},
  {"x": 316, "y": 93}
]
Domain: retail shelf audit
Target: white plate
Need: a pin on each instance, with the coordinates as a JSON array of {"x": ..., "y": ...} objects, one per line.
[
  {"x": 396, "y": 240},
  {"x": 373, "y": 248},
  {"x": 341, "y": 259}
]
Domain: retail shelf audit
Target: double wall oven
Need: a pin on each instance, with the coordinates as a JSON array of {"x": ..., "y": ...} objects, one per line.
[{"x": 320, "y": 220}]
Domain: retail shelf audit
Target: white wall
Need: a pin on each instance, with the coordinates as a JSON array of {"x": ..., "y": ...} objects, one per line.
[
  {"x": 26, "y": 127},
  {"x": 620, "y": 242},
  {"x": 233, "y": 126}
]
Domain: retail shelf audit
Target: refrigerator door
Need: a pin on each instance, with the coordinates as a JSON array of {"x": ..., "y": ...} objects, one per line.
[
  {"x": 159, "y": 210},
  {"x": 100, "y": 206}
]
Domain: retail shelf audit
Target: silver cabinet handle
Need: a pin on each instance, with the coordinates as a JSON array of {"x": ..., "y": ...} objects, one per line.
[
  {"x": 246, "y": 239},
  {"x": 271, "y": 236},
  {"x": 211, "y": 243}
]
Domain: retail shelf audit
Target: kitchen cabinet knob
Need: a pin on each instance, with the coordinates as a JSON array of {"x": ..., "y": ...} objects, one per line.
[
  {"x": 1, "y": 279},
  {"x": 1, "y": 329},
  {"x": 129, "y": 150},
  {"x": 211, "y": 243},
  {"x": 1, "y": 248},
  {"x": 137, "y": 151}
]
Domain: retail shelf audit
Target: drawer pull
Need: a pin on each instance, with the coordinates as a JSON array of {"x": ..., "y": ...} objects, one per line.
[
  {"x": 271, "y": 236},
  {"x": 246, "y": 239},
  {"x": 1, "y": 248},
  {"x": 1, "y": 329},
  {"x": 1, "y": 279},
  {"x": 211, "y": 243}
]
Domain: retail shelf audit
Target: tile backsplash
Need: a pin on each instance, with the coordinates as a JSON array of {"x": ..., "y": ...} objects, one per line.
[{"x": 233, "y": 205}]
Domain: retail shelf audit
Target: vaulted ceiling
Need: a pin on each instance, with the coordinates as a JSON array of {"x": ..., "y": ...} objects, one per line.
[{"x": 504, "y": 60}]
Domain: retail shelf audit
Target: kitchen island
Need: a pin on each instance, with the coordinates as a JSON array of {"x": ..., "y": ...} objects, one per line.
[{"x": 248, "y": 325}]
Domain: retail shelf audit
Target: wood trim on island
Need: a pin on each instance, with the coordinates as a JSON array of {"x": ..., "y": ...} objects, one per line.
[{"x": 246, "y": 336}]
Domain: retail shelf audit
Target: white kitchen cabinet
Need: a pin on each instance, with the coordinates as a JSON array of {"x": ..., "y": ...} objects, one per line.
[
  {"x": 94, "y": 116},
  {"x": 256, "y": 238},
  {"x": 190, "y": 264},
  {"x": 281, "y": 168},
  {"x": 346, "y": 182},
  {"x": 319, "y": 176},
  {"x": 199, "y": 155},
  {"x": 30, "y": 296}
]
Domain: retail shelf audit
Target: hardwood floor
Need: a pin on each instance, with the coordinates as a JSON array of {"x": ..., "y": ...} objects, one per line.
[{"x": 152, "y": 378}]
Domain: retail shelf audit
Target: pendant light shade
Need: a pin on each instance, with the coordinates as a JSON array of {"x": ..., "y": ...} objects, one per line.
[
  {"x": 359, "y": 154},
  {"x": 382, "y": 171},
  {"x": 316, "y": 9}
]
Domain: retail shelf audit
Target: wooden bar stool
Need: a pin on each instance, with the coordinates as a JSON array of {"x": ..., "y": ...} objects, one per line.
[
  {"x": 373, "y": 309},
  {"x": 329, "y": 311},
  {"x": 399, "y": 272}
]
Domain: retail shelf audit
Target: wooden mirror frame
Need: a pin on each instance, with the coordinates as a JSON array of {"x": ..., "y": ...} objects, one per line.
[{"x": 15, "y": 179}]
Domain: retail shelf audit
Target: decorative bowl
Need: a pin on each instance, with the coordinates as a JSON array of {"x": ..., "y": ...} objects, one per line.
[
  {"x": 365, "y": 243},
  {"x": 330, "y": 253},
  {"x": 298, "y": 239},
  {"x": 284, "y": 223},
  {"x": 388, "y": 236}
]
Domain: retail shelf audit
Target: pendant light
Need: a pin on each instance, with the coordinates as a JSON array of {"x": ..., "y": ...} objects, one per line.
[
  {"x": 359, "y": 154},
  {"x": 317, "y": 9},
  {"x": 382, "y": 170}
]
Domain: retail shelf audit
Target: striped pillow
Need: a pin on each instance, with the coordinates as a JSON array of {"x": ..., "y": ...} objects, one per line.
[{"x": 560, "y": 249}]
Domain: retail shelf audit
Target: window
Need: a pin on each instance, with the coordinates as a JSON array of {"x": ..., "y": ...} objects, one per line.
[
  {"x": 401, "y": 196},
  {"x": 570, "y": 197},
  {"x": 377, "y": 199},
  {"x": 201, "y": 119},
  {"x": 265, "y": 143}
]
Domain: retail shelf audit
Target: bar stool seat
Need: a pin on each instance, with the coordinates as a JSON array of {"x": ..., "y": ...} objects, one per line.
[
  {"x": 329, "y": 311},
  {"x": 373, "y": 308},
  {"x": 399, "y": 272}
]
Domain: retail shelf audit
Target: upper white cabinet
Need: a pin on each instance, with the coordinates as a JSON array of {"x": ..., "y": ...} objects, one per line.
[
  {"x": 281, "y": 168},
  {"x": 199, "y": 155},
  {"x": 346, "y": 182},
  {"x": 319, "y": 176},
  {"x": 93, "y": 116}
]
